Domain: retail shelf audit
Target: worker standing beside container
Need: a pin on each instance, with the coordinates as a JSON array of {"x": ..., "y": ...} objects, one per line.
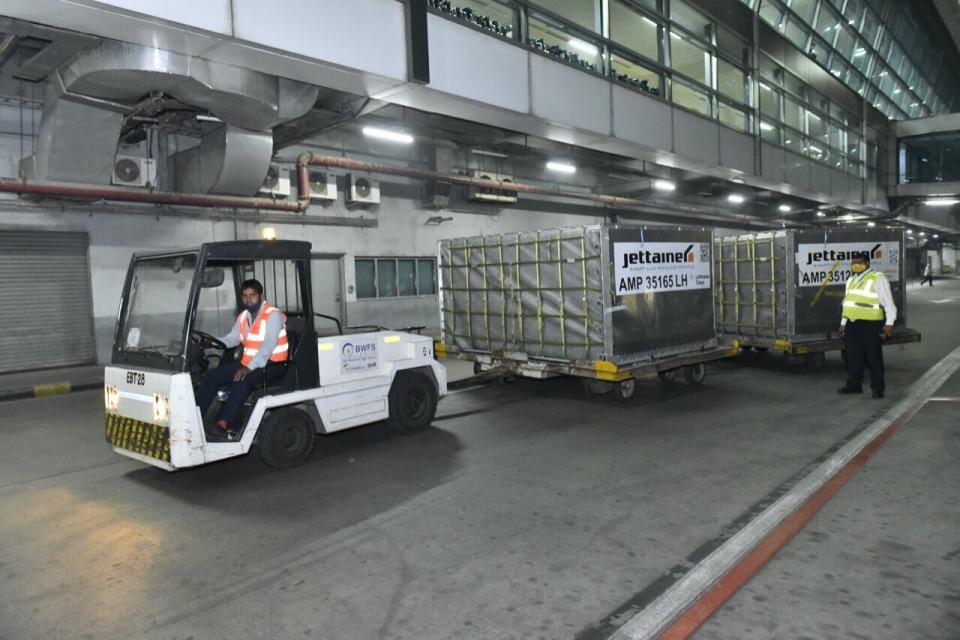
[{"x": 868, "y": 316}]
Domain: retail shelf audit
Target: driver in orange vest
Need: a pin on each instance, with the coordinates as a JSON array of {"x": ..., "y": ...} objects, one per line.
[{"x": 261, "y": 329}]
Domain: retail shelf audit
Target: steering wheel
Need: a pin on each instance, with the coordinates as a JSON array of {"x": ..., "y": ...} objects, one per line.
[{"x": 206, "y": 341}]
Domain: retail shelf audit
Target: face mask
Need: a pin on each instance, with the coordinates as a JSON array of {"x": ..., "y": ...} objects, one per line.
[
  {"x": 252, "y": 309},
  {"x": 859, "y": 268}
]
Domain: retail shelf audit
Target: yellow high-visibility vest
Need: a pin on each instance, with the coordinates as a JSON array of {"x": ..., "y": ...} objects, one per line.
[{"x": 861, "y": 300}]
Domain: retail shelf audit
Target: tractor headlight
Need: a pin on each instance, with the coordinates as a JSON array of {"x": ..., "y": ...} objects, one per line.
[
  {"x": 111, "y": 397},
  {"x": 161, "y": 409}
]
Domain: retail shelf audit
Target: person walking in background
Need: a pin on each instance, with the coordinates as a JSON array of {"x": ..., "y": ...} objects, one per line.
[{"x": 927, "y": 273}]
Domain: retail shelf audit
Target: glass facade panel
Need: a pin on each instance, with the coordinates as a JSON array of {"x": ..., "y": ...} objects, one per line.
[
  {"x": 770, "y": 132},
  {"x": 635, "y": 75},
  {"x": 733, "y": 117},
  {"x": 804, "y": 9},
  {"x": 690, "y": 19},
  {"x": 793, "y": 113},
  {"x": 634, "y": 30},
  {"x": 583, "y": 13},
  {"x": 691, "y": 98},
  {"x": 933, "y": 158},
  {"x": 560, "y": 41},
  {"x": 769, "y": 102},
  {"x": 689, "y": 58},
  {"x": 731, "y": 81}
]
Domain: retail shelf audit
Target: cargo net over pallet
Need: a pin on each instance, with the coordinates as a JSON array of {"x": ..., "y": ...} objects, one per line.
[
  {"x": 751, "y": 274},
  {"x": 540, "y": 293}
]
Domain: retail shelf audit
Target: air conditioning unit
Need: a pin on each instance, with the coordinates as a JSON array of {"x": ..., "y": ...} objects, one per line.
[
  {"x": 323, "y": 187},
  {"x": 277, "y": 182},
  {"x": 483, "y": 194},
  {"x": 362, "y": 191},
  {"x": 131, "y": 171}
]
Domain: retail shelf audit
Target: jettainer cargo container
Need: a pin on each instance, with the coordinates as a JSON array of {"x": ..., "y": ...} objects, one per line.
[
  {"x": 783, "y": 290},
  {"x": 607, "y": 303}
]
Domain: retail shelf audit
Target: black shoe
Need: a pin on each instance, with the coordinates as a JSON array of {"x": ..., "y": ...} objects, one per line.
[
  {"x": 878, "y": 393},
  {"x": 846, "y": 390}
]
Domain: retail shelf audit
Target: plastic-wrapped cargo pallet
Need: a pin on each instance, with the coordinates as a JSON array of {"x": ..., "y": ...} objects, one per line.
[
  {"x": 783, "y": 289},
  {"x": 585, "y": 301}
]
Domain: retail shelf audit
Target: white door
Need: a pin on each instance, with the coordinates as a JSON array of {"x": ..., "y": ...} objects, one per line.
[{"x": 327, "y": 278}]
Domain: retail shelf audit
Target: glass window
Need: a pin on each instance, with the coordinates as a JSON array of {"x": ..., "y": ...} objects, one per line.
[
  {"x": 852, "y": 12},
  {"x": 846, "y": 44},
  {"x": 426, "y": 277},
  {"x": 837, "y": 135},
  {"x": 582, "y": 13},
  {"x": 562, "y": 42},
  {"x": 769, "y": 70},
  {"x": 689, "y": 58},
  {"x": 793, "y": 141},
  {"x": 690, "y": 97},
  {"x": 772, "y": 13},
  {"x": 804, "y": 9},
  {"x": 731, "y": 44},
  {"x": 793, "y": 113},
  {"x": 387, "y": 278},
  {"x": 828, "y": 23},
  {"x": 731, "y": 81},
  {"x": 796, "y": 32},
  {"x": 407, "y": 277},
  {"x": 491, "y": 15},
  {"x": 871, "y": 27},
  {"x": 817, "y": 128},
  {"x": 690, "y": 19},
  {"x": 366, "y": 280},
  {"x": 634, "y": 30},
  {"x": 635, "y": 75},
  {"x": 769, "y": 101},
  {"x": 770, "y": 132},
  {"x": 817, "y": 150},
  {"x": 733, "y": 117}
]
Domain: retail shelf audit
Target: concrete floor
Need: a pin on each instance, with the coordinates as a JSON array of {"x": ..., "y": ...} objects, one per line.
[{"x": 530, "y": 511}]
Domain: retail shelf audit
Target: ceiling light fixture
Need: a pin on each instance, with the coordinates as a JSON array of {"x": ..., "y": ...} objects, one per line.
[
  {"x": 388, "y": 134},
  {"x": 766, "y": 127},
  {"x": 561, "y": 167},
  {"x": 785, "y": 208},
  {"x": 910, "y": 231},
  {"x": 664, "y": 185},
  {"x": 736, "y": 198},
  {"x": 936, "y": 235},
  {"x": 941, "y": 202},
  {"x": 821, "y": 214},
  {"x": 871, "y": 224}
]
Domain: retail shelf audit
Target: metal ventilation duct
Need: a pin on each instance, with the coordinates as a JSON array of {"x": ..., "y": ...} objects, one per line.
[{"x": 88, "y": 99}]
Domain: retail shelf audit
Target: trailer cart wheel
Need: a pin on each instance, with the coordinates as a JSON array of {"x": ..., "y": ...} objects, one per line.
[
  {"x": 596, "y": 387},
  {"x": 412, "y": 402},
  {"x": 477, "y": 368},
  {"x": 667, "y": 376},
  {"x": 625, "y": 389},
  {"x": 694, "y": 373},
  {"x": 286, "y": 438}
]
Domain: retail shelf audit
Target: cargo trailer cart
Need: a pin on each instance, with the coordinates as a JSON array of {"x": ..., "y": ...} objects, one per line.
[
  {"x": 173, "y": 305},
  {"x": 782, "y": 290},
  {"x": 600, "y": 302}
]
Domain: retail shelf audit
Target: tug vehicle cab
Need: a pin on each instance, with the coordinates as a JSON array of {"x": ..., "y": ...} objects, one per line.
[{"x": 176, "y": 303}]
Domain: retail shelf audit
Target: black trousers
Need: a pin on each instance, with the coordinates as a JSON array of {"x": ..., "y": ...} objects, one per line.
[
  {"x": 864, "y": 349},
  {"x": 223, "y": 376},
  {"x": 927, "y": 279}
]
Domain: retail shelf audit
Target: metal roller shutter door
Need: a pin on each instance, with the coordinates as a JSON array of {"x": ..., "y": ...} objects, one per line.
[{"x": 45, "y": 288}]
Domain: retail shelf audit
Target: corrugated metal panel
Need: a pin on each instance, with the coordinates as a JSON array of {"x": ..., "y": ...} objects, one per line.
[{"x": 45, "y": 281}]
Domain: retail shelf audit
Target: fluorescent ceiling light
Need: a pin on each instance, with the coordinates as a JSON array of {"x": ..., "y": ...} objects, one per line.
[
  {"x": 871, "y": 224},
  {"x": 561, "y": 167},
  {"x": 910, "y": 231},
  {"x": 859, "y": 52},
  {"x": 648, "y": 20},
  {"x": 388, "y": 134},
  {"x": 941, "y": 202},
  {"x": 923, "y": 233},
  {"x": 896, "y": 91},
  {"x": 821, "y": 214},
  {"x": 785, "y": 208},
  {"x": 200, "y": 117},
  {"x": 492, "y": 154},
  {"x": 268, "y": 233},
  {"x": 735, "y": 198},
  {"x": 664, "y": 185},
  {"x": 766, "y": 127},
  {"x": 765, "y": 87},
  {"x": 585, "y": 47},
  {"x": 936, "y": 235}
]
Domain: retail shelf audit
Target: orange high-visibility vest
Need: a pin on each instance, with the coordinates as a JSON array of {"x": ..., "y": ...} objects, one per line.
[{"x": 252, "y": 336}]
